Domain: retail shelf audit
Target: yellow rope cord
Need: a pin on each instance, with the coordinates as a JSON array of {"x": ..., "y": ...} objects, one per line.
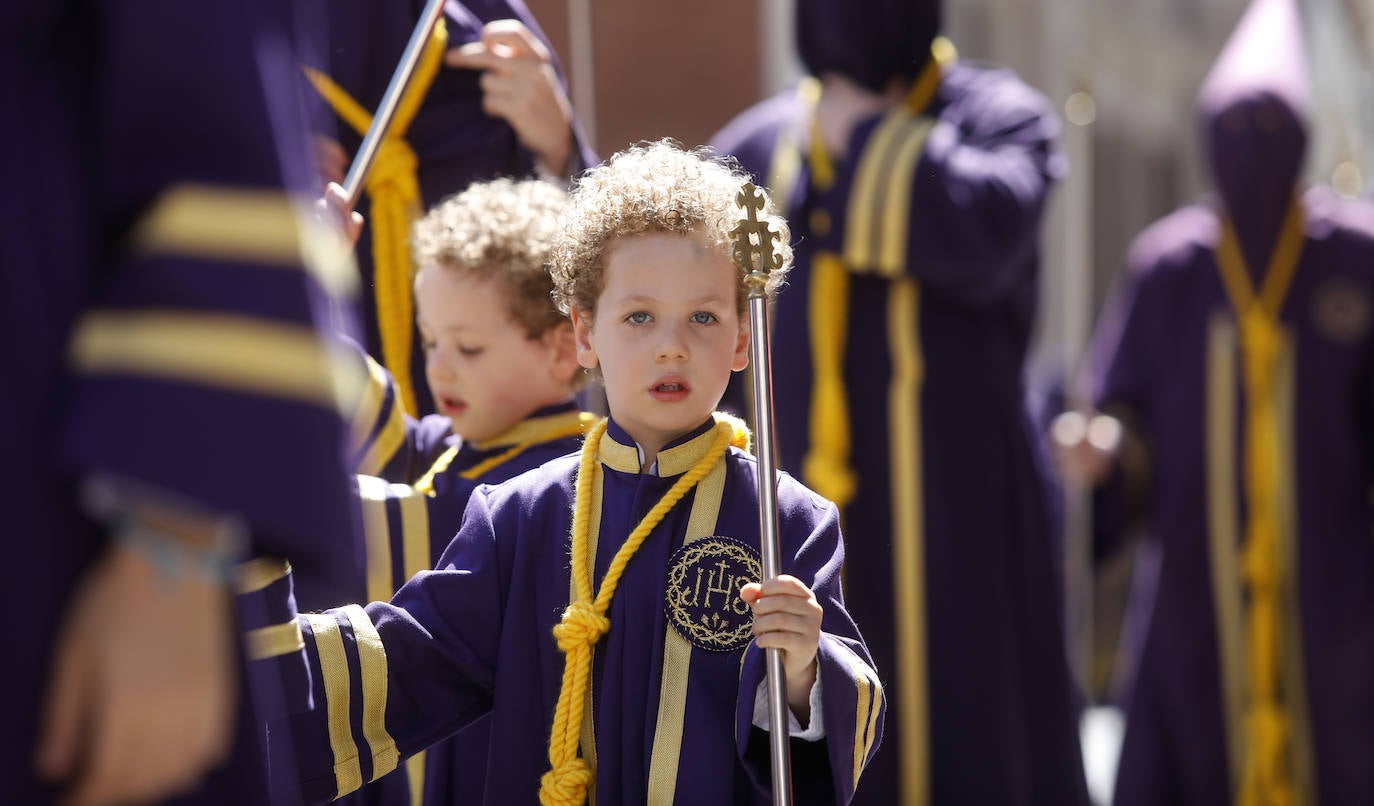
[
  {"x": 426, "y": 482},
  {"x": 826, "y": 467},
  {"x": 818, "y": 159},
  {"x": 584, "y": 621},
  {"x": 395, "y": 193},
  {"x": 922, "y": 92},
  {"x": 1267, "y": 778}
]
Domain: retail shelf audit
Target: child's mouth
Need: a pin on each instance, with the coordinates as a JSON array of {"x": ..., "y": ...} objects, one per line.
[
  {"x": 452, "y": 406},
  {"x": 670, "y": 391}
]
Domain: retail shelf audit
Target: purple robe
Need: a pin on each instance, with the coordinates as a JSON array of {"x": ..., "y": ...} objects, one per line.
[
  {"x": 943, "y": 328},
  {"x": 455, "y": 142},
  {"x": 475, "y": 637},
  {"x": 127, "y": 117},
  {"x": 1168, "y": 358},
  {"x": 406, "y": 531}
]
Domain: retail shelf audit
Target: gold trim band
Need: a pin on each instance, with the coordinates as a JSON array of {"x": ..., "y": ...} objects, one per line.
[
  {"x": 274, "y": 641},
  {"x": 372, "y": 663},
  {"x": 261, "y": 227},
  {"x": 259, "y": 572},
  {"x": 348, "y": 775},
  {"x": 908, "y": 539},
  {"x": 232, "y": 352},
  {"x": 677, "y": 657}
]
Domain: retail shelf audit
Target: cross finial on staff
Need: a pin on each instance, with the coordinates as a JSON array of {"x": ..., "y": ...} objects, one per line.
[{"x": 753, "y": 239}]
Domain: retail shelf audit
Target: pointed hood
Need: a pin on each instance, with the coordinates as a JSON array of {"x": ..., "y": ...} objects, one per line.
[{"x": 1253, "y": 109}]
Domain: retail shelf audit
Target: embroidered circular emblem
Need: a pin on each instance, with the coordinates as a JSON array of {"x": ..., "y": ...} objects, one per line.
[
  {"x": 702, "y": 597},
  {"x": 1340, "y": 310}
]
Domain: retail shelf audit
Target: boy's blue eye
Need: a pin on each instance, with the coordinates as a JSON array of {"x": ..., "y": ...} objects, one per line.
[
  {"x": 426, "y": 345},
  {"x": 637, "y": 318},
  {"x": 704, "y": 318}
]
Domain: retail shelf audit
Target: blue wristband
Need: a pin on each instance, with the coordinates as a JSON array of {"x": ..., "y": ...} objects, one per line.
[{"x": 175, "y": 557}]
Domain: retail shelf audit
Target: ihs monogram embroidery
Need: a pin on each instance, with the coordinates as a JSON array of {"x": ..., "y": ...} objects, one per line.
[{"x": 702, "y": 597}]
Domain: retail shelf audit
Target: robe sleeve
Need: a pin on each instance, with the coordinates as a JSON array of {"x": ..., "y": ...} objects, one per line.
[
  {"x": 204, "y": 367},
  {"x": 1121, "y": 356},
  {"x": 384, "y": 441},
  {"x": 852, "y": 703},
  {"x": 955, "y": 201},
  {"x": 390, "y": 679},
  {"x": 581, "y": 156}
]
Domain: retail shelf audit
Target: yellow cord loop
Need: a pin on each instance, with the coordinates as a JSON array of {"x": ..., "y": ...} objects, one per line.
[
  {"x": 395, "y": 193},
  {"x": 567, "y": 785},
  {"x": 581, "y": 626},
  {"x": 584, "y": 621},
  {"x": 826, "y": 467},
  {"x": 1267, "y": 772}
]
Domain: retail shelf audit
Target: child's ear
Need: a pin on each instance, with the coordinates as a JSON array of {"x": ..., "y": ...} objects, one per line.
[
  {"x": 740, "y": 359},
  {"x": 582, "y": 336},
  {"x": 562, "y": 347}
]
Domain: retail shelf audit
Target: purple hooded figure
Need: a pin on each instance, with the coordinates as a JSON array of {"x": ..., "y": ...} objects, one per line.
[
  {"x": 1238, "y": 353},
  {"x": 915, "y": 184}
]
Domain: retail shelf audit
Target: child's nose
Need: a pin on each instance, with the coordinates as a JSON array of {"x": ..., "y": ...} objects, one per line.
[
  {"x": 439, "y": 366},
  {"x": 673, "y": 345}
]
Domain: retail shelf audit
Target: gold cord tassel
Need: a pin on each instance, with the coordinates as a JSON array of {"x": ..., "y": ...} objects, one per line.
[{"x": 1267, "y": 777}]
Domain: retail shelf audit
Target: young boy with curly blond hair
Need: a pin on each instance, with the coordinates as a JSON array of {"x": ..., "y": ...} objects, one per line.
[
  {"x": 498, "y": 353},
  {"x": 605, "y": 608}
]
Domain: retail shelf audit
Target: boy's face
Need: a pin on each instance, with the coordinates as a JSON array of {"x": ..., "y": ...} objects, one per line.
[
  {"x": 486, "y": 375},
  {"x": 666, "y": 333}
]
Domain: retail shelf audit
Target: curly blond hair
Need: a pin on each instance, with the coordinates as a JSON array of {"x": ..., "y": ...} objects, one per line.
[
  {"x": 648, "y": 188},
  {"x": 501, "y": 229}
]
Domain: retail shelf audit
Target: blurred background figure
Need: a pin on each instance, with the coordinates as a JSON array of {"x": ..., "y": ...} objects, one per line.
[
  {"x": 488, "y": 101},
  {"x": 173, "y": 408},
  {"x": 1237, "y": 359},
  {"x": 915, "y": 185}
]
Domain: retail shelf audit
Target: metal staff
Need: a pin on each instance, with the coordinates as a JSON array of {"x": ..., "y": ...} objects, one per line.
[
  {"x": 386, "y": 110},
  {"x": 1076, "y": 325},
  {"x": 753, "y": 254}
]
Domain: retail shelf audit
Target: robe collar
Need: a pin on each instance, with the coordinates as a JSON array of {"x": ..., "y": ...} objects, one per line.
[
  {"x": 619, "y": 452},
  {"x": 540, "y": 422}
]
